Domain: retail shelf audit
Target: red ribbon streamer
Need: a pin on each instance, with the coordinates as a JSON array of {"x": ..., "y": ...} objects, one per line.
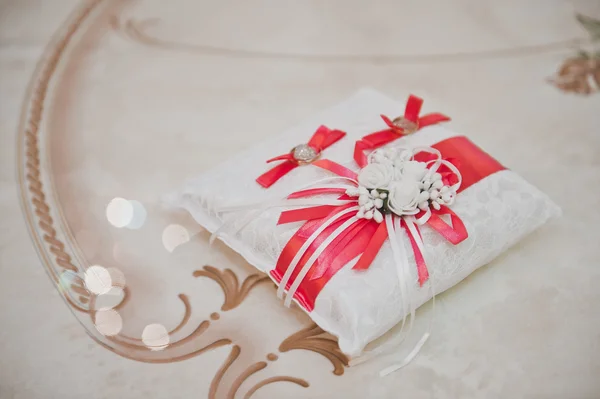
[
  {"x": 364, "y": 238},
  {"x": 321, "y": 139},
  {"x": 382, "y": 137}
]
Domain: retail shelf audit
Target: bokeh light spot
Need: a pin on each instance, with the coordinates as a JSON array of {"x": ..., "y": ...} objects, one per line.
[
  {"x": 111, "y": 299},
  {"x": 108, "y": 322},
  {"x": 119, "y": 212},
  {"x": 155, "y": 337},
  {"x": 97, "y": 280},
  {"x": 139, "y": 215},
  {"x": 173, "y": 236}
]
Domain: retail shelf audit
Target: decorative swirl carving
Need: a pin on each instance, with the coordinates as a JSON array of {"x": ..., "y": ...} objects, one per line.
[
  {"x": 251, "y": 370},
  {"x": 315, "y": 339},
  {"x": 234, "y": 294},
  {"x": 267, "y": 381},
  {"x": 214, "y": 385},
  {"x": 39, "y": 92},
  {"x": 202, "y": 327}
]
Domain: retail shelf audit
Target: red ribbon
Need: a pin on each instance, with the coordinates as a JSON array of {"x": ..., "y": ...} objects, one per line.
[
  {"x": 364, "y": 238},
  {"x": 321, "y": 139},
  {"x": 382, "y": 137}
]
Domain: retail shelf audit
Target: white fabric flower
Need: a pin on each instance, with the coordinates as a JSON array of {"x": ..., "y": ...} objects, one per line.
[
  {"x": 402, "y": 155},
  {"x": 404, "y": 196},
  {"x": 414, "y": 170},
  {"x": 376, "y": 175}
]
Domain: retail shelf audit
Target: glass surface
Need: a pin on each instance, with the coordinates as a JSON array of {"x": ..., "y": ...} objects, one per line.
[{"x": 133, "y": 98}]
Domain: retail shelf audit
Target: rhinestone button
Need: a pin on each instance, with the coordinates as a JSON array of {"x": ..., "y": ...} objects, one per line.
[
  {"x": 407, "y": 126},
  {"x": 304, "y": 153}
]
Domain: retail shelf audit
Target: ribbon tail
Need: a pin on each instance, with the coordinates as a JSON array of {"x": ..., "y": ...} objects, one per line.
[
  {"x": 413, "y": 108},
  {"x": 347, "y": 247},
  {"x": 432, "y": 119},
  {"x": 336, "y": 168},
  {"x": 416, "y": 243},
  {"x": 318, "y": 138},
  {"x": 325, "y": 137},
  {"x": 311, "y": 261},
  {"x": 332, "y": 137},
  {"x": 285, "y": 157},
  {"x": 402, "y": 271},
  {"x": 373, "y": 248},
  {"x": 317, "y": 191},
  {"x": 359, "y": 153},
  {"x": 298, "y": 254},
  {"x": 297, "y": 215},
  {"x": 456, "y": 233},
  {"x": 269, "y": 178}
]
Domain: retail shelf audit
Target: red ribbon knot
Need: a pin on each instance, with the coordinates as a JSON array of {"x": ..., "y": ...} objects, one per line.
[
  {"x": 302, "y": 154},
  {"x": 400, "y": 126}
]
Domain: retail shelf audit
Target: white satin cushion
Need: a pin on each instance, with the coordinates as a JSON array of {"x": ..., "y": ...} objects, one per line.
[{"x": 359, "y": 307}]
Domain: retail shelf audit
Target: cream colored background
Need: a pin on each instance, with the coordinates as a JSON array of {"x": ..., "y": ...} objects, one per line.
[{"x": 133, "y": 120}]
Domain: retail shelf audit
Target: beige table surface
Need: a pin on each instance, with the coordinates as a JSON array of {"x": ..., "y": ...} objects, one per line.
[{"x": 132, "y": 97}]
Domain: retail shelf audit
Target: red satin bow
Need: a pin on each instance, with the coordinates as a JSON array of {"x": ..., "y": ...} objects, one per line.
[
  {"x": 321, "y": 139},
  {"x": 364, "y": 238},
  {"x": 382, "y": 137}
]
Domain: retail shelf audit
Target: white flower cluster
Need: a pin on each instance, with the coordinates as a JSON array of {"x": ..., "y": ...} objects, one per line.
[
  {"x": 394, "y": 182},
  {"x": 370, "y": 202}
]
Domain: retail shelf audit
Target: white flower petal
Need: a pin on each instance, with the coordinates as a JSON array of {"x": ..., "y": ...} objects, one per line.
[
  {"x": 403, "y": 156},
  {"x": 414, "y": 170},
  {"x": 403, "y": 196},
  {"x": 379, "y": 157},
  {"x": 389, "y": 153},
  {"x": 376, "y": 175},
  {"x": 378, "y": 216},
  {"x": 423, "y": 196},
  {"x": 378, "y": 203}
]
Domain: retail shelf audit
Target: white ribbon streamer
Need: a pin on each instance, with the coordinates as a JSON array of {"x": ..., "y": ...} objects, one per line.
[
  {"x": 402, "y": 269},
  {"x": 292, "y": 266},
  {"x": 309, "y": 263},
  {"x": 404, "y": 281},
  {"x": 284, "y": 203}
]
